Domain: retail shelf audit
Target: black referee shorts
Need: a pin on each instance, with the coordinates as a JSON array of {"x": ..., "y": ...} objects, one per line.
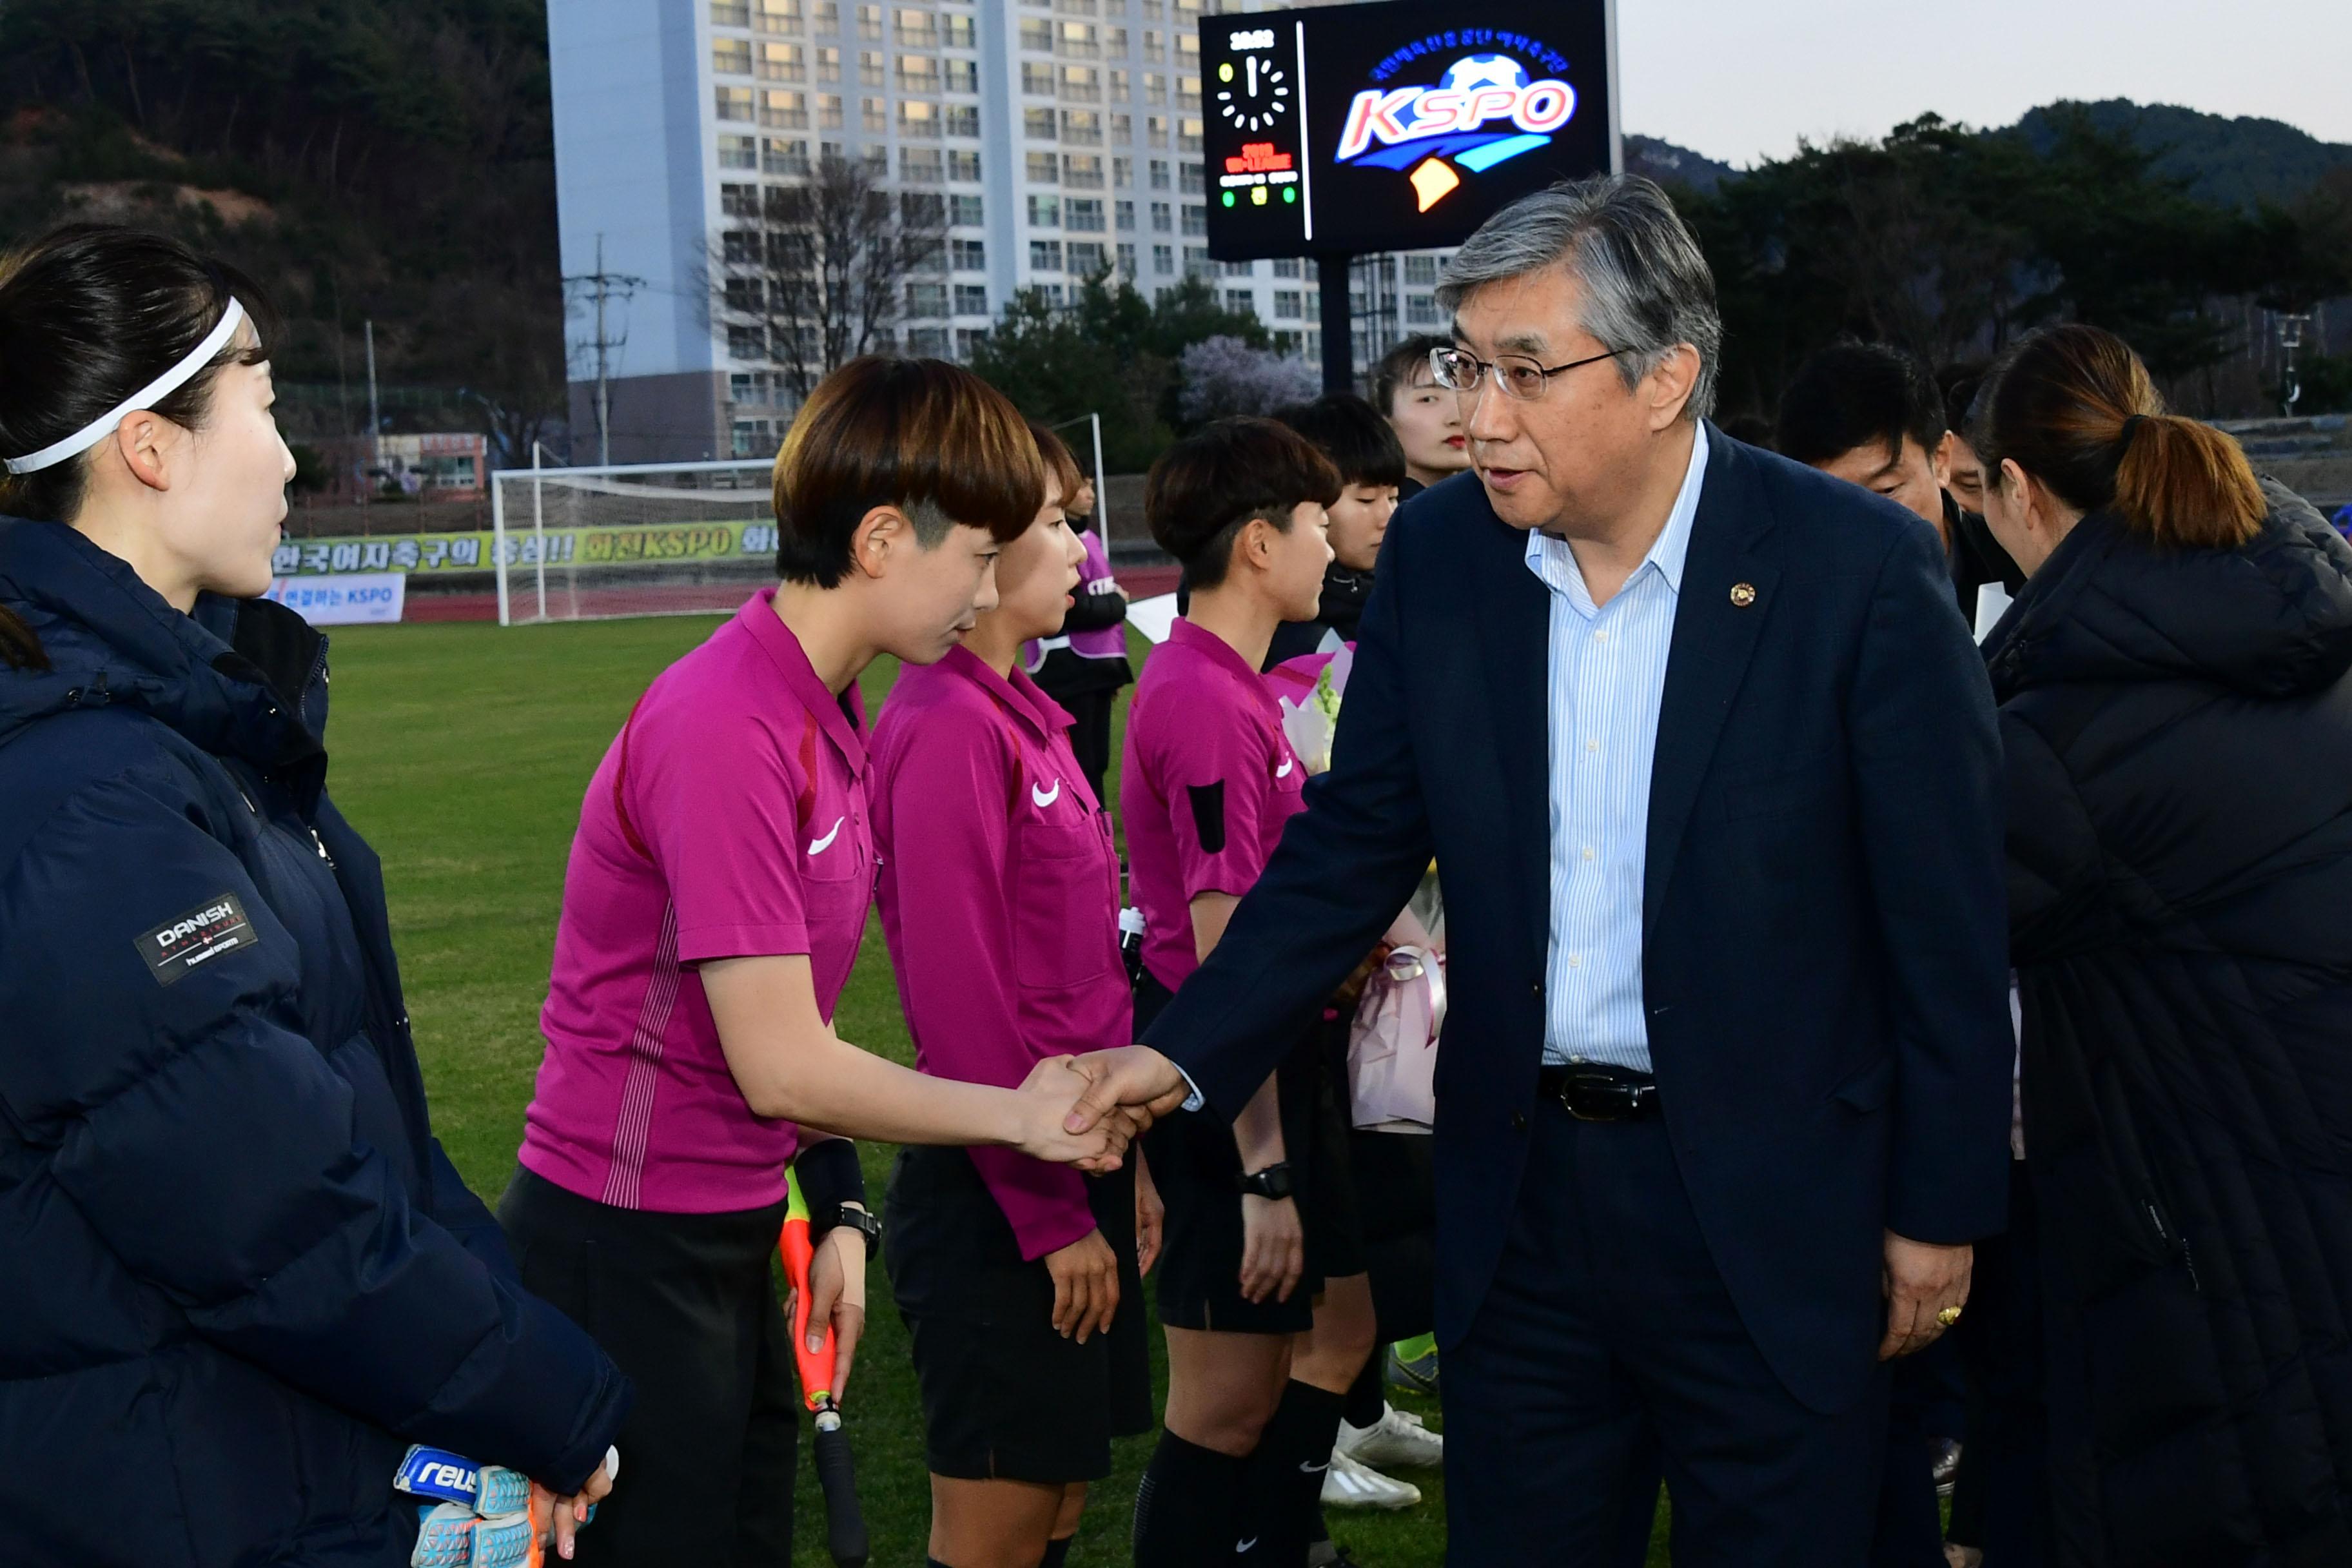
[
  {"x": 1195, "y": 1163},
  {"x": 1005, "y": 1396},
  {"x": 686, "y": 1305}
]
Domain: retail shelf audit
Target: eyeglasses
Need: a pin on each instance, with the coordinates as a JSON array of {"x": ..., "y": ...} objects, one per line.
[{"x": 1519, "y": 376}]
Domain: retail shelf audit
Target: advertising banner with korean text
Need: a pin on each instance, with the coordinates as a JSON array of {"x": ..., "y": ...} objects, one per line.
[
  {"x": 428, "y": 554},
  {"x": 363, "y": 598}
]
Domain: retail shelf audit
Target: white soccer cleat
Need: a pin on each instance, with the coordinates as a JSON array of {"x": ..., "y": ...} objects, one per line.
[
  {"x": 1396, "y": 1441},
  {"x": 1348, "y": 1484}
]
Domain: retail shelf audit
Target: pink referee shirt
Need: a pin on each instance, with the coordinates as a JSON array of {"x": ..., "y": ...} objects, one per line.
[
  {"x": 1207, "y": 782},
  {"x": 1000, "y": 901},
  {"x": 727, "y": 820}
]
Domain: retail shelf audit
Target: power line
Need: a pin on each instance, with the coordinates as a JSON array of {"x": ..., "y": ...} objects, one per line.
[{"x": 608, "y": 286}]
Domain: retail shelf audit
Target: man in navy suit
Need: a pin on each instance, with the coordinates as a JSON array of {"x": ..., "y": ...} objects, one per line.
[{"x": 1707, "y": 761}]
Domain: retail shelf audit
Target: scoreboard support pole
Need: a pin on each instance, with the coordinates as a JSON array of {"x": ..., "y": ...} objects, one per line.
[{"x": 1338, "y": 315}]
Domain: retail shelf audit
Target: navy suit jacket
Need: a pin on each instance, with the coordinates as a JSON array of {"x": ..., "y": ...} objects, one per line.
[{"x": 1824, "y": 923}]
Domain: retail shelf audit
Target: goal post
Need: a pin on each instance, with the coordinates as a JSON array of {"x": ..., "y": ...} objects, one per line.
[{"x": 637, "y": 539}]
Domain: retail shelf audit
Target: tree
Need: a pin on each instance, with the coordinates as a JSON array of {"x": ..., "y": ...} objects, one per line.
[
  {"x": 1224, "y": 376},
  {"x": 819, "y": 273}
]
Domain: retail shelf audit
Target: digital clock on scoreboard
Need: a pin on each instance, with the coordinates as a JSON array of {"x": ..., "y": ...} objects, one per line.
[{"x": 1396, "y": 126}]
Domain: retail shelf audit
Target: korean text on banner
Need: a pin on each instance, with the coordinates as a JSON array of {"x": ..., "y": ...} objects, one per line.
[{"x": 356, "y": 599}]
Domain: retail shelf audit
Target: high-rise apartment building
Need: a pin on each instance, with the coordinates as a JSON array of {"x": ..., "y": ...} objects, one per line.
[{"x": 1063, "y": 135}]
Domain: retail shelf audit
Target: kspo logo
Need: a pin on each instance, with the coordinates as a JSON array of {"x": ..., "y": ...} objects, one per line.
[{"x": 1430, "y": 130}]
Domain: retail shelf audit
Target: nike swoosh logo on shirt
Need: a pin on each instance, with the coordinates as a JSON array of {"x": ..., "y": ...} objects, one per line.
[
  {"x": 1244, "y": 1545},
  {"x": 1043, "y": 798},
  {"x": 1287, "y": 764},
  {"x": 819, "y": 845},
  {"x": 1306, "y": 1469}
]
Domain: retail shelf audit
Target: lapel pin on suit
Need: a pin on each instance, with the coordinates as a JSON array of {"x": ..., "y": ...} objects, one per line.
[{"x": 1743, "y": 595}]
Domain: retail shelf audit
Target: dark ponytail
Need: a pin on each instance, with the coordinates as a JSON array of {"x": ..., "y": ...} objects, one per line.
[
  {"x": 88, "y": 314},
  {"x": 2075, "y": 408}
]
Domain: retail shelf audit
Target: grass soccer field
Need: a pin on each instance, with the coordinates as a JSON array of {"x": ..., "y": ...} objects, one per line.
[{"x": 461, "y": 752}]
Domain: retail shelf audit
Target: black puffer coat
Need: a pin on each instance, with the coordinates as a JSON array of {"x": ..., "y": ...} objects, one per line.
[
  {"x": 237, "y": 1274},
  {"x": 2179, "y": 734}
]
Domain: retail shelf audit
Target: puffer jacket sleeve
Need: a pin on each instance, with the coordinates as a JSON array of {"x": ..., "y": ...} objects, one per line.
[
  {"x": 215, "y": 1151},
  {"x": 2053, "y": 863}
]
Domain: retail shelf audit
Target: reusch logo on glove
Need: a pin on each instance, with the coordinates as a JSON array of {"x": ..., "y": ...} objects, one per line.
[{"x": 195, "y": 939}]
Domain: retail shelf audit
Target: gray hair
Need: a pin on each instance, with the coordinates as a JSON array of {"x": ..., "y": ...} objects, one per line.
[{"x": 1646, "y": 287}]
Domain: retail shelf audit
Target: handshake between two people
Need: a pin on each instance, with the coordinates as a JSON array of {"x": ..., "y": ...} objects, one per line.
[{"x": 1084, "y": 1111}]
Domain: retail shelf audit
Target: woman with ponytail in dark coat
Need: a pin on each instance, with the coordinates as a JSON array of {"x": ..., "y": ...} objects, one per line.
[
  {"x": 2177, "y": 723},
  {"x": 238, "y": 1275}
]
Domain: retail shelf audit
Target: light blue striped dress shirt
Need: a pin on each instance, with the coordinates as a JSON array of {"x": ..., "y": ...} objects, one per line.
[{"x": 1607, "y": 671}]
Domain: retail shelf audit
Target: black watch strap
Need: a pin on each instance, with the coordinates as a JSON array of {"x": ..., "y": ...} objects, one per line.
[
  {"x": 1274, "y": 1181},
  {"x": 866, "y": 1223}
]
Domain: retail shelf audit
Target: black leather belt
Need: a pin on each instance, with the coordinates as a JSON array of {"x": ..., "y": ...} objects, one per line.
[{"x": 1597, "y": 1091}]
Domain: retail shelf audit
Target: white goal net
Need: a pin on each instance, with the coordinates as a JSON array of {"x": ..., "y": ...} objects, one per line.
[{"x": 649, "y": 539}]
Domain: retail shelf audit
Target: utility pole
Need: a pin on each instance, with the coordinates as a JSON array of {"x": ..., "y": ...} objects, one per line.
[
  {"x": 375, "y": 417},
  {"x": 608, "y": 286}
]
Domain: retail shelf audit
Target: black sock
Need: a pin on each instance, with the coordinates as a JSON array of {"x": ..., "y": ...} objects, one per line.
[
  {"x": 1284, "y": 1501},
  {"x": 1058, "y": 1552},
  {"x": 1368, "y": 1397},
  {"x": 1187, "y": 1507}
]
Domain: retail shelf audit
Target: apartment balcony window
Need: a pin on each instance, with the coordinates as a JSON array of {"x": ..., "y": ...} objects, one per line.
[
  {"x": 960, "y": 76},
  {"x": 1420, "y": 310},
  {"x": 1122, "y": 128},
  {"x": 1044, "y": 212},
  {"x": 971, "y": 299},
  {"x": 869, "y": 67},
  {"x": 918, "y": 73},
  {"x": 921, "y": 166},
  {"x": 1122, "y": 172},
  {"x": 876, "y": 158},
  {"x": 1241, "y": 301},
  {"x": 959, "y": 32},
  {"x": 734, "y": 102},
  {"x": 1127, "y": 262},
  {"x": 745, "y": 296},
  {"x": 730, "y": 13},
  {"x": 739, "y": 201},
  {"x": 749, "y": 387},
  {"x": 869, "y": 23},
  {"x": 916, "y": 118},
  {"x": 1037, "y": 35},
  {"x": 1037, "y": 80},
  {"x": 961, "y": 164},
  {"x": 828, "y": 63},
  {"x": 968, "y": 254},
  {"x": 874, "y": 118},
  {"x": 739, "y": 153},
  {"x": 965, "y": 212},
  {"x": 1285, "y": 266},
  {"x": 1081, "y": 84},
  {"x": 731, "y": 57},
  {"x": 1159, "y": 174},
  {"x": 1196, "y": 220},
  {"x": 1155, "y": 89},
  {"x": 1163, "y": 260},
  {"x": 1155, "y": 46},
  {"x": 783, "y": 62},
  {"x": 828, "y": 15},
  {"x": 1082, "y": 128},
  {"x": 790, "y": 159},
  {"x": 828, "y": 112},
  {"x": 1241, "y": 269},
  {"x": 776, "y": 15},
  {"x": 1187, "y": 92},
  {"x": 1077, "y": 40},
  {"x": 1421, "y": 271},
  {"x": 1077, "y": 7},
  {"x": 1155, "y": 128},
  {"x": 1188, "y": 136},
  {"x": 916, "y": 29},
  {"x": 1083, "y": 171},
  {"x": 747, "y": 342},
  {"x": 1124, "y": 216},
  {"x": 1083, "y": 214},
  {"x": 1044, "y": 256},
  {"x": 1289, "y": 305},
  {"x": 927, "y": 300},
  {"x": 1163, "y": 217},
  {"x": 782, "y": 109},
  {"x": 1044, "y": 169},
  {"x": 1038, "y": 124},
  {"x": 1085, "y": 257},
  {"x": 968, "y": 341},
  {"x": 1122, "y": 85},
  {"x": 961, "y": 120},
  {"x": 928, "y": 343},
  {"x": 1188, "y": 177},
  {"x": 1197, "y": 263}
]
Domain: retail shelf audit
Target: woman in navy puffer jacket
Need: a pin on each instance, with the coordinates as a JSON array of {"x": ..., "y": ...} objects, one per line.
[{"x": 240, "y": 1275}]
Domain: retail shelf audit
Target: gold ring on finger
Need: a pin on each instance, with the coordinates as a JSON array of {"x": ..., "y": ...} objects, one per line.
[{"x": 1948, "y": 1316}]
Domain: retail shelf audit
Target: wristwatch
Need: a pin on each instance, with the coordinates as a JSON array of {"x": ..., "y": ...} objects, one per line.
[
  {"x": 865, "y": 1222},
  {"x": 1274, "y": 1181}
]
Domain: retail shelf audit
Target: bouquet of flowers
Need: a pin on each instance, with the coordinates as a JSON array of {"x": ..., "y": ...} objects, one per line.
[{"x": 1392, "y": 1039}]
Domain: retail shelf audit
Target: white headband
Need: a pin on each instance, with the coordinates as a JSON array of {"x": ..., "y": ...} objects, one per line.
[{"x": 147, "y": 396}]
